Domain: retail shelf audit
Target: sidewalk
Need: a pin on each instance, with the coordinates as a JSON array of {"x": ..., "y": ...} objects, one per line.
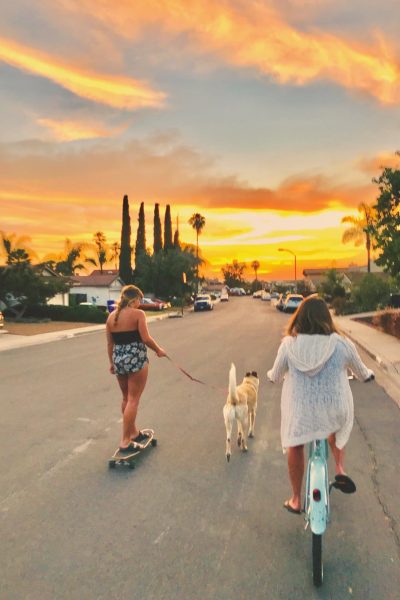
[
  {"x": 10, "y": 342},
  {"x": 383, "y": 348}
]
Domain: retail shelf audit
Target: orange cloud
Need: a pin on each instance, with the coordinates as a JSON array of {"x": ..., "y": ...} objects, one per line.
[
  {"x": 119, "y": 92},
  {"x": 258, "y": 36},
  {"x": 160, "y": 169},
  {"x": 374, "y": 165},
  {"x": 68, "y": 130}
]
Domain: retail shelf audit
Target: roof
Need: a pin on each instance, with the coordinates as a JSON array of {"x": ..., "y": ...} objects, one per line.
[{"x": 104, "y": 280}]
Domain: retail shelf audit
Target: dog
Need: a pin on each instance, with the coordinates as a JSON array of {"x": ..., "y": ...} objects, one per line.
[{"x": 241, "y": 404}]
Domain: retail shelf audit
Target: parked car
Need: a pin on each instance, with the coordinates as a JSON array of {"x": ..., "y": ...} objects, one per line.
[
  {"x": 236, "y": 291},
  {"x": 149, "y": 304},
  {"x": 203, "y": 302},
  {"x": 257, "y": 294},
  {"x": 274, "y": 295},
  {"x": 224, "y": 296},
  {"x": 1, "y": 320},
  {"x": 266, "y": 296},
  {"x": 292, "y": 302}
]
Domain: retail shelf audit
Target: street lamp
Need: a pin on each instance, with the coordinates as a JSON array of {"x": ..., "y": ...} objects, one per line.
[{"x": 295, "y": 263}]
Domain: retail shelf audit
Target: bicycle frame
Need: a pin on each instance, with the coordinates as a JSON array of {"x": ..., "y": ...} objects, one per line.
[{"x": 316, "y": 505}]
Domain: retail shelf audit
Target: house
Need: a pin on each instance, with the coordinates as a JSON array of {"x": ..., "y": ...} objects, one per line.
[
  {"x": 45, "y": 271},
  {"x": 352, "y": 275},
  {"x": 97, "y": 288}
]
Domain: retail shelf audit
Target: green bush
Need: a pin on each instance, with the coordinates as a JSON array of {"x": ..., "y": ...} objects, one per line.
[
  {"x": 79, "y": 314},
  {"x": 371, "y": 293}
]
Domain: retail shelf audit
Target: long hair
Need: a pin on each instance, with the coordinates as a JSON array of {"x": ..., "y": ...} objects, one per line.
[
  {"x": 312, "y": 317},
  {"x": 129, "y": 293}
]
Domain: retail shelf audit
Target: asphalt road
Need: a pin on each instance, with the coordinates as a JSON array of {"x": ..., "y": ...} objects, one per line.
[{"x": 184, "y": 525}]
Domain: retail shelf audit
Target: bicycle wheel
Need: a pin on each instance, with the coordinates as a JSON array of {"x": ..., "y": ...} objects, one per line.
[{"x": 318, "y": 569}]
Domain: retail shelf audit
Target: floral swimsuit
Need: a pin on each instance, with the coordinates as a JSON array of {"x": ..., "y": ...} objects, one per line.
[{"x": 129, "y": 352}]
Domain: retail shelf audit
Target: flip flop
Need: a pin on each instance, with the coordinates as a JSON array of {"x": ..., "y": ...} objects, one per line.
[
  {"x": 345, "y": 484},
  {"x": 290, "y": 508}
]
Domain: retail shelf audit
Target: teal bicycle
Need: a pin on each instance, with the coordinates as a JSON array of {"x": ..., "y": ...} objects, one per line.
[{"x": 316, "y": 502}]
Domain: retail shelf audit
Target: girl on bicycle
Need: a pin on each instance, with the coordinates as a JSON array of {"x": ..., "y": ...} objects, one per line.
[{"x": 316, "y": 401}]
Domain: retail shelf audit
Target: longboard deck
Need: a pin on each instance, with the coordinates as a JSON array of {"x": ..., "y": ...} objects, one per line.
[{"x": 119, "y": 458}]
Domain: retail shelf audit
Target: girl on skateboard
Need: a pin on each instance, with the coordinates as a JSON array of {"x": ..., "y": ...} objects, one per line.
[{"x": 127, "y": 338}]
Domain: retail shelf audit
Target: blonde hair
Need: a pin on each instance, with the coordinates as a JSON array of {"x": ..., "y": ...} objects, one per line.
[
  {"x": 312, "y": 317},
  {"x": 129, "y": 293}
]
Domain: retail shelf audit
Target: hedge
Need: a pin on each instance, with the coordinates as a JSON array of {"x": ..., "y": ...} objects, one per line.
[
  {"x": 79, "y": 314},
  {"x": 388, "y": 321}
]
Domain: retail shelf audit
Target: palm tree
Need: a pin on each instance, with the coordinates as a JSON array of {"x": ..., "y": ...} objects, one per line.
[
  {"x": 359, "y": 230},
  {"x": 15, "y": 248},
  {"x": 66, "y": 263},
  {"x": 255, "y": 265},
  {"x": 197, "y": 221},
  {"x": 101, "y": 250},
  {"x": 115, "y": 252}
]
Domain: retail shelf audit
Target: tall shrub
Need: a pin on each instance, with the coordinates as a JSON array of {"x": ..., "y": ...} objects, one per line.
[
  {"x": 125, "y": 265},
  {"x": 157, "y": 241}
]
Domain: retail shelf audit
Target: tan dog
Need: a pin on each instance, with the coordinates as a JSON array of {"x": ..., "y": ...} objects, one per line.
[{"x": 241, "y": 404}]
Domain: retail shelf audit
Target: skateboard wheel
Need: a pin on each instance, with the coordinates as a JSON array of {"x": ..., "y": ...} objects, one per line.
[
  {"x": 111, "y": 464},
  {"x": 154, "y": 442}
]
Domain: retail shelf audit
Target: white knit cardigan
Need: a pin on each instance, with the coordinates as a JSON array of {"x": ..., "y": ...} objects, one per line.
[{"x": 316, "y": 396}]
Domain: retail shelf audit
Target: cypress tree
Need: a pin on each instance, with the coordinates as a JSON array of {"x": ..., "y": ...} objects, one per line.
[
  {"x": 168, "y": 244},
  {"x": 141, "y": 233},
  {"x": 177, "y": 244},
  {"x": 157, "y": 244},
  {"x": 125, "y": 266}
]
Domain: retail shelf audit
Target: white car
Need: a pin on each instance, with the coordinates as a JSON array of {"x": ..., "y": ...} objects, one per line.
[
  {"x": 224, "y": 297},
  {"x": 257, "y": 294},
  {"x": 292, "y": 303},
  {"x": 266, "y": 296}
]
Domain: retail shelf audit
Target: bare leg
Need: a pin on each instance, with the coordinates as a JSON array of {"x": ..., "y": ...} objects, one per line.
[
  {"x": 123, "y": 384},
  {"x": 338, "y": 455},
  {"x": 296, "y": 470},
  {"x": 136, "y": 385}
]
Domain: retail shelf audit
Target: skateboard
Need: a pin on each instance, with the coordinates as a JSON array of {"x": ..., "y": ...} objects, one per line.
[{"x": 129, "y": 459}]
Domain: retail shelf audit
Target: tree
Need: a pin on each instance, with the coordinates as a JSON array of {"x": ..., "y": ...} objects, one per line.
[
  {"x": 18, "y": 280},
  {"x": 115, "y": 250},
  {"x": 125, "y": 265},
  {"x": 255, "y": 265},
  {"x": 197, "y": 221},
  {"x": 67, "y": 263},
  {"x": 386, "y": 226},
  {"x": 233, "y": 274},
  {"x": 168, "y": 243},
  {"x": 332, "y": 285},
  {"x": 101, "y": 250},
  {"x": 177, "y": 244},
  {"x": 360, "y": 230},
  {"x": 141, "y": 233},
  {"x": 16, "y": 249},
  {"x": 157, "y": 239}
]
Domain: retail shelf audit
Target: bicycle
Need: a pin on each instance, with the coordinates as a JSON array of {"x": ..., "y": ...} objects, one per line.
[{"x": 316, "y": 502}]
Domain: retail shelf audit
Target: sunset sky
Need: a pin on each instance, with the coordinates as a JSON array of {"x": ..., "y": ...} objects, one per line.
[{"x": 269, "y": 117}]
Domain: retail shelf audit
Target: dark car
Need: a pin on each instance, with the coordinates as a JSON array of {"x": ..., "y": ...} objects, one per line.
[{"x": 203, "y": 302}]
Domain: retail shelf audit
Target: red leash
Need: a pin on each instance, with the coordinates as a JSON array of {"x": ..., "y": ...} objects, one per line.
[{"x": 193, "y": 378}]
